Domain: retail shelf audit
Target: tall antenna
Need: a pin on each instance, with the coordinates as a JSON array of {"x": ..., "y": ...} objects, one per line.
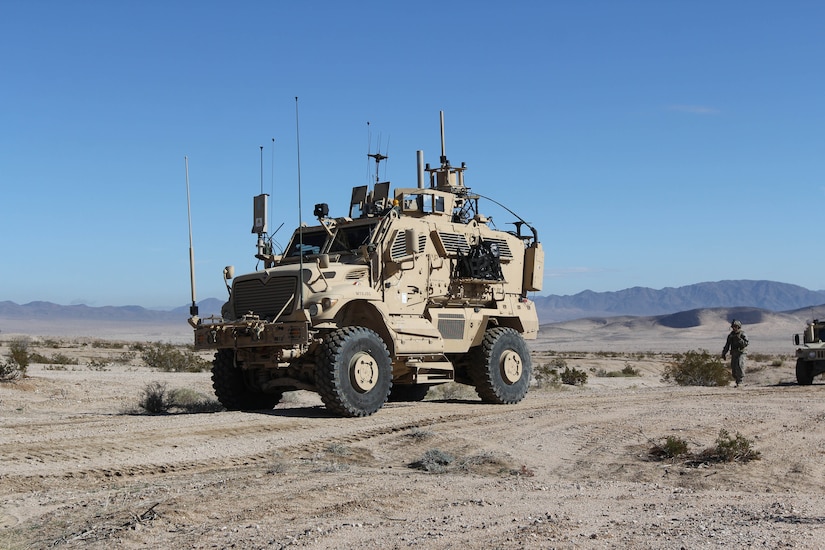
[
  {"x": 262, "y": 169},
  {"x": 193, "y": 309},
  {"x": 272, "y": 185},
  {"x": 300, "y": 220}
]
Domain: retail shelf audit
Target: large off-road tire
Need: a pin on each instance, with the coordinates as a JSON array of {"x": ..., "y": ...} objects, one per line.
[
  {"x": 804, "y": 372},
  {"x": 409, "y": 393},
  {"x": 501, "y": 366},
  {"x": 231, "y": 387},
  {"x": 353, "y": 372}
]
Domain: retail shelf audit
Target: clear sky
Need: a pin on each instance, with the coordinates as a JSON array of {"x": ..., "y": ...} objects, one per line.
[{"x": 652, "y": 143}]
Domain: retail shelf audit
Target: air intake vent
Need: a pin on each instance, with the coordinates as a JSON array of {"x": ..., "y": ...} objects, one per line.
[
  {"x": 357, "y": 274},
  {"x": 266, "y": 300},
  {"x": 503, "y": 248},
  {"x": 399, "y": 245},
  {"x": 453, "y": 243},
  {"x": 451, "y": 326}
]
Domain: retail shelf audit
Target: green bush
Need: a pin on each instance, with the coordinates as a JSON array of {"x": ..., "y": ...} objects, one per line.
[
  {"x": 170, "y": 358},
  {"x": 434, "y": 461},
  {"x": 730, "y": 449},
  {"x": 157, "y": 400},
  {"x": 154, "y": 399},
  {"x": 673, "y": 447},
  {"x": 697, "y": 368},
  {"x": 573, "y": 377}
]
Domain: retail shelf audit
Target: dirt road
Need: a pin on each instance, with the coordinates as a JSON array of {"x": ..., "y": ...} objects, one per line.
[{"x": 566, "y": 468}]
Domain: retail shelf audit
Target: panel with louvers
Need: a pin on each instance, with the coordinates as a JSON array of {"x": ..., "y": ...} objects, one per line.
[
  {"x": 453, "y": 243},
  {"x": 399, "y": 245}
]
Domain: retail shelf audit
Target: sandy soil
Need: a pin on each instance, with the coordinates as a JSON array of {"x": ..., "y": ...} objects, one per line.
[{"x": 568, "y": 467}]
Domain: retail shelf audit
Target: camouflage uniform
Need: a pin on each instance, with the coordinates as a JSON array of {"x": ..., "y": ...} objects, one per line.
[{"x": 736, "y": 344}]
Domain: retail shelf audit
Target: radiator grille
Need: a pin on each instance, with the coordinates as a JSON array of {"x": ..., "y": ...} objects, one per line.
[{"x": 265, "y": 300}]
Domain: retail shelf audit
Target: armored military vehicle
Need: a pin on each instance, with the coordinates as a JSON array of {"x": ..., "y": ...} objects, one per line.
[
  {"x": 810, "y": 353},
  {"x": 402, "y": 292}
]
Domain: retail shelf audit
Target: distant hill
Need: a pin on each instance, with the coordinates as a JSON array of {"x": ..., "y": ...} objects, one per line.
[
  {"x": 55, "y": 312},
  {"x": 640, "y": 301},
  {"x": 637, "y": 301}
]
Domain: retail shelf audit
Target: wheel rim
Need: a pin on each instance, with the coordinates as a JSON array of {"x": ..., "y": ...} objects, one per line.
[
  {"x": 363, "y": 370},
  {"x": 511, "y": 367}
]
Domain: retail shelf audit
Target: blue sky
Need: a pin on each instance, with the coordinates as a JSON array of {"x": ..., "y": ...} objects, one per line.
[{"x": 652, "y": 143}]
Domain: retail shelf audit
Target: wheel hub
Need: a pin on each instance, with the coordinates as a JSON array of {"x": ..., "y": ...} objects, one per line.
[
  {"x": 363, "y": 372},
  {"x": 511, "y": 367}
]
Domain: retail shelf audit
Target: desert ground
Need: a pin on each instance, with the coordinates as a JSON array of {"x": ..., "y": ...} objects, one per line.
[{"x": 83, "y": 466}]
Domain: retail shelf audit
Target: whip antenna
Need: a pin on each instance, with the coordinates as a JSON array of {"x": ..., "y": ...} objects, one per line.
[
  {"x": 300, "y": 220},
  {"x": 193, "y": 309}
]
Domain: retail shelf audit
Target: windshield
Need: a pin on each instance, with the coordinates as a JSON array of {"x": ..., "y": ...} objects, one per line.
[
  {"x": 349, "y": 238},
  {"x": 313, "y": 242}
]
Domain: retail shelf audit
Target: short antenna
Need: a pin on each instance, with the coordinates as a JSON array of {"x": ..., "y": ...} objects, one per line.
[
  {"x": 300, "y": 220},
  {"x": 193, "y": 309}
]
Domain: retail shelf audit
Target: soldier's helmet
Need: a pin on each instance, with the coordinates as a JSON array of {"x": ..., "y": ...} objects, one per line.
[{"x": 736, "y": 324}]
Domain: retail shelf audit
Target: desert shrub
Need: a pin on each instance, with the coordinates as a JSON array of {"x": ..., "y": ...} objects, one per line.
[
  {"x": 673, "y": 447},
  {"x": 627, "y": 371},
  {"x": 17, "y": 362},
  {"x": 19, "y": 353},
  {"x": 546, "y": 375},
  {"x": 730, "y": 449},
  {"x": 573, "y": 377},
  {"x": 191, "y": 401},
  {"x": 434, "y": 461},
  {"x": 9, "y": 371},
  {"x": 170, "y": 358},
  {"x": 98, "y": 365},
  {"x": 697, "y": 368},
  {"x": 154, "y": 399},
  {"x": 105, "y": 344},
  {"x": 124, "y": 357}
]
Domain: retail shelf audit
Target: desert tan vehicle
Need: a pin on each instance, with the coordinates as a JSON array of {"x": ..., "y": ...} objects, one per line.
[
  {"x": 810, "y": 353},
  {"x": 406, "y": 291}
]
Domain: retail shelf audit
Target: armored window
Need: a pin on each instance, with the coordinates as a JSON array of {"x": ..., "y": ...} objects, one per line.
[
  {"x": 309, "y": 242},
  {"x": 350, "y": 238}
]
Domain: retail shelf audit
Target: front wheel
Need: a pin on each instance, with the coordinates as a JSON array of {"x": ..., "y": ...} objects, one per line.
[
  {"x": 804, "y": 373},
  {"x": 501, "y": 367},
  {"x": 232, "y": 389},
  {"x": 353, "y": 372}
]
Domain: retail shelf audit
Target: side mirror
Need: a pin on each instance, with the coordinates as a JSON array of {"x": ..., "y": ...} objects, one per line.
[
  {"x": 323, "y": 261},
  {"x": 796, "y": 339},
  {"x": 229, "y": 272}
]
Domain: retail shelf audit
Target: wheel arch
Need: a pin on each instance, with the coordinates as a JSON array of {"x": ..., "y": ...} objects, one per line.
[{"x": 363, "y": 313}]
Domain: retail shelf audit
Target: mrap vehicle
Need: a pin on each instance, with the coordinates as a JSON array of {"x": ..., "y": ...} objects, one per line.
[
  {"x": 810, "y": 352},
  {"x": 408, "y": 290}
]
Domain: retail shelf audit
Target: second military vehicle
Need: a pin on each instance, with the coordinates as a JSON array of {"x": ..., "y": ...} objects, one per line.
[
  {"x": 810, "y": 353},
  {"x": 403, "y": 292}
]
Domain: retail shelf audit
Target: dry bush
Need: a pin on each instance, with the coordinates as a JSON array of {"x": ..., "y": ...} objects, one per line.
[
  {"x": 697, "y": 368},
  {"x": 171, "y": 358}
]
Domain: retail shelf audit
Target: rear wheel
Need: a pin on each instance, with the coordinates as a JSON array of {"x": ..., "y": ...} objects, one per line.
[
  {"x": 804, "y": 372},
  {"x": 353, "y": 372},
  {"x": 501, "y": 366},
  {"x": 232, "y": 388}
]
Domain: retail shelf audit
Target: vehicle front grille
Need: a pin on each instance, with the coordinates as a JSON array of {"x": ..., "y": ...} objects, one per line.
[{"x": 264, "y": 299}]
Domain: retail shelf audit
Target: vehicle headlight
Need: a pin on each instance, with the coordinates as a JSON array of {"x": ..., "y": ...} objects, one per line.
[
  {"x": 812, "y": 354},
  {"x": 327, "y": 303},
  {"x": 314, "y": 309}
]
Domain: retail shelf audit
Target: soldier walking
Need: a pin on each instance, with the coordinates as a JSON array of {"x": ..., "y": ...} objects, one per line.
[{"x": 736, "y": 344}]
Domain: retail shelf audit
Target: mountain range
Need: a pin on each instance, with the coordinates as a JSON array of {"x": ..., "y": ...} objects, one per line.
[
  {"x": 641, "y": 301},
  {"x": 636, "y": 301}
]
